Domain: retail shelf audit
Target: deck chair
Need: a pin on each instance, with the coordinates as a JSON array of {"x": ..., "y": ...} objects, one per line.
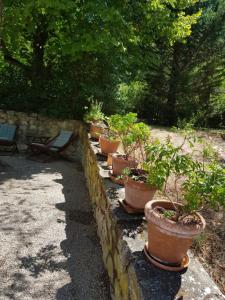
[
  {"x": 53, "y": 147},
  {"x": 8, "y": 136}
]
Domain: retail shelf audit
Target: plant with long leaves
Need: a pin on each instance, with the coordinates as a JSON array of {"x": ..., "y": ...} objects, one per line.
[{"x": 94, "y": 114}]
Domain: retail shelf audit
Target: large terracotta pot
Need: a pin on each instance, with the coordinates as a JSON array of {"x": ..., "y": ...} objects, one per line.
[
  {"x": 119, "y": 163},
  {"x": 108, "y": 146},
  {"x": 95, "y": 131},
  {"x": 138, "y": 193},
  {"x": 169, "y": 241}
]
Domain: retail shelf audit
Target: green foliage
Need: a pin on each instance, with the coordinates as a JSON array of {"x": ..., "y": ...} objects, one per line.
[
  {"x": 129, "y": 97},
  {"x": 161, "y": 59},
  {"x": 205, "y": 187},
  {"x": 133, "y": 135},
  {"x": 64, "y": 52},
  {"x": 121, "y": 124},
  {"x": 186, "y": 80},
  {"x": 202, "y": 183},
  {"x": 94, "y": 114}
]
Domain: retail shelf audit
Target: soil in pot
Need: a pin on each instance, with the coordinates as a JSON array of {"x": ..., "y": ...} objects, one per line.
[
  {"x": 108, "y": 146},
  {"x": 119, "y": 163},
  {"x": 168, "y": 240},
  {"x": 138, "y": 192},
  {"x": 96, "y": 130}
]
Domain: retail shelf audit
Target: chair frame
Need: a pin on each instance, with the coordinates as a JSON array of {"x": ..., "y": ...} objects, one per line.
[
  {"x": 37, "y": 149},
  {"x": 10, "y": 143}
]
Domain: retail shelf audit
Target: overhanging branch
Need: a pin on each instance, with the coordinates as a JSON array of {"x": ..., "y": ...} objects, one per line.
[{"x": 9, "y": 58}]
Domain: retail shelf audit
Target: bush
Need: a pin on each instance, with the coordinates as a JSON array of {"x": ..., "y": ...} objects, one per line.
[{"x": 130, "y": 96}]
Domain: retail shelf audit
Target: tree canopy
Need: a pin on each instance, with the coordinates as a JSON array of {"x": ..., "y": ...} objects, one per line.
[{"x": 162, "y": 58}]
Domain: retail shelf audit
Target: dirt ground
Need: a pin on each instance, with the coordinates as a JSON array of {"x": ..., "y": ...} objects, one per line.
[
  {"x": 49, "y": 247},
  {"x": 210, "y": 247},
  {"x": 215, "y": 140}
]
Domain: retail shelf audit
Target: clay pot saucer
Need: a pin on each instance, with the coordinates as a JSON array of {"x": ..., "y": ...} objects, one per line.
[
  {"x": 184, "y": 264},
  {"x": 129, "y": 209},
  {"x": 115, "y": 179}
]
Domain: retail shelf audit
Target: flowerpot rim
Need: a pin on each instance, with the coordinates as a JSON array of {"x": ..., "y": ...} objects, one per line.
[
  {"x": 139, "y": 183},
  {"x": 169, "y": 226},
  {"x": 120, "y": 156},
  {"x": 108, "y": 140}
]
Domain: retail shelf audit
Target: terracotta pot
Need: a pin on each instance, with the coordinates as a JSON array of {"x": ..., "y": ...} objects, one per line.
[
  {"x": 138, "y": 193},
  {"x": 169, "y": 241},
  {"x": 95, "y": 131},
  {"x": 108, "y": 146},
  {"x": 109, "y": 160},
  {"x": 119, "y": 163}
]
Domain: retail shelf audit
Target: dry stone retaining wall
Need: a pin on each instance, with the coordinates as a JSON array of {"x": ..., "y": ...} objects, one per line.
[
  {"x": 123, "y": 237},
  {"x": 36, "y": 125}
]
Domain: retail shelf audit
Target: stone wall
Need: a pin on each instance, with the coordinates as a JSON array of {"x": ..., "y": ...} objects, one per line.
[
  {"x": 122, "y": 236},
  {"x": 36, "y": 125}
]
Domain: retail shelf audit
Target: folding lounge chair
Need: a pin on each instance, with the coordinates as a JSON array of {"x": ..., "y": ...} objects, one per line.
[
  {"x": 55, "y": 146},
  {"x": 8, "y": 135}
]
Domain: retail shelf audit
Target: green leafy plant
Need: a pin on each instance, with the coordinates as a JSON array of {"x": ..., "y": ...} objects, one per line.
[
  {"x": 204, "y": 185},
  {"x": 94, "y": 114},
  {"x": 160, "y": 162},
  {"x": 133, "y": 135},
  {"x": 197, "y": 183}
]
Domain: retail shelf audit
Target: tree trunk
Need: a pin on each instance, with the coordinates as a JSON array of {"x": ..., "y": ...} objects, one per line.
[{"x": 40, "y": 38}]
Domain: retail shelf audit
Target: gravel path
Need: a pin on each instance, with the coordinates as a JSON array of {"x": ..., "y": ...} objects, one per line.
[{"x": 49, "y": 247}]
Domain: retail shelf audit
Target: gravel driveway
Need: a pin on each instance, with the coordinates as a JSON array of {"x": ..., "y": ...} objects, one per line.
[{"x": 49, "y": 247}]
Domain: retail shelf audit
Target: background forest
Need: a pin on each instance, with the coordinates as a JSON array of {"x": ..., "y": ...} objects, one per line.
[{"x": 164, "y": 59}]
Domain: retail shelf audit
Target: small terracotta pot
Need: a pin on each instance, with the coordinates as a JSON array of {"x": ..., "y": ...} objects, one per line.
[
  {"x": 96, "y": 131},
  {"x": 169, "y": 241},
  {"x": 138, "y": 193},
  {"x": 109, "y": 160},
  {"x": 119, "y": 163},
  {"x": 108, "y": 146}
]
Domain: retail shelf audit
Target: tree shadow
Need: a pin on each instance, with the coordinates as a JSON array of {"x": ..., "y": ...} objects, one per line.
[
  {"x": 156, "y": 283},
  {"x": 44, "y": 260},
  {"x": 19, "y": 284},
  {"x": 82, "y": 257}
]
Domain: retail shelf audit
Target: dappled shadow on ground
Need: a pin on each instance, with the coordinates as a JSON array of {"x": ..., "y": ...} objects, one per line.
[
  {"x": 28, "y": 255},
  {"x": 12, "y": 167},
  {"x": 18, "y": 284},
  {"x": 46, "y": 259}
]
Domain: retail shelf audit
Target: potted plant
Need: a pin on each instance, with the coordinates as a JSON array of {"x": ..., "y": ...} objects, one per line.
[
  {"x": 109, "y": 140},
  {"x": 142, "y": 183},
  {"x": 95, "y": 117},
  {"x": 132, "y": 136},
  {"x": 108, "y": 143},
  {"x": 173, "y": 223}
]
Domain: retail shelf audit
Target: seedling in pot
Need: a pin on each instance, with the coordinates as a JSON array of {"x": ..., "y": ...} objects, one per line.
[{"x": 96, "y": 118}]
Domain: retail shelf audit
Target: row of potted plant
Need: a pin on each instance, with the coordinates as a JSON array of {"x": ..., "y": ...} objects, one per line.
[{"x": 147, "y": 165}]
